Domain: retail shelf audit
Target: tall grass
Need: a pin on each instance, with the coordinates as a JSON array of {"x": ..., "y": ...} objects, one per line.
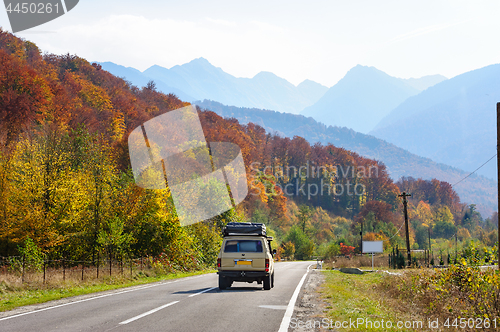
[
  {"x": 460, "y": 291},
  {"x": 365, "y": 261}
]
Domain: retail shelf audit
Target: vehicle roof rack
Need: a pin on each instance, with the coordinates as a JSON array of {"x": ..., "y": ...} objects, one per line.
[{"x": 244, "y": 228}]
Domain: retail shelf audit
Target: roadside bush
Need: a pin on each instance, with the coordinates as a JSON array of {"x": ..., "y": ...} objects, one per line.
[
  {"x": 30, "y": 255},
  {"x": 460, "y": 291}
]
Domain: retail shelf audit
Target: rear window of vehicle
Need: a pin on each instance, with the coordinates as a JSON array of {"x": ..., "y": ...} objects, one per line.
[{"x": 243, "y": 246}]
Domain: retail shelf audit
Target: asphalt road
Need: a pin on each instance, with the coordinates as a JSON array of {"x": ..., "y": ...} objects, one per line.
[{"x": 189, "y": 304}]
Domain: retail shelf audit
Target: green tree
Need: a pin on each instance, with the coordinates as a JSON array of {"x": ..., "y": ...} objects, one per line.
[
  {"x": 304, "y": 215},
  {"x": 443, "y": 229},
  {"x": 304, "y": 246},
  {"x": 112, "y": 239},
  {"x": 32, "y": 255},
  {"x": 422, "y": 236}
]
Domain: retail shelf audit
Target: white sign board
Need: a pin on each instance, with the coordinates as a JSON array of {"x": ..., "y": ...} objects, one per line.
[{"x": 372, "y": 247}]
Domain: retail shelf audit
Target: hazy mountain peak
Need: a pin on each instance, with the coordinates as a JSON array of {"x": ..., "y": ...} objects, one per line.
[
  {"x": 109, "y": 64},
  {"x": 271, "y": 78},
  {"x": 266, "y": 74},
  {"x": 425, "y": 82},
  {"x": 201, "y": 60},
  {"x": 452, "y": 122},
  {"x": 198, "y": 62},
  {"x": 199, "y": 79},
  {"x": 360, "y": 99},
  {"x": 312, "y": 89},
  {"x": 364, "y": 70},
  {"x": 155, "y": 68},
  {"x": 197, "y": 65},
  {"x": 310, "y": 83}
]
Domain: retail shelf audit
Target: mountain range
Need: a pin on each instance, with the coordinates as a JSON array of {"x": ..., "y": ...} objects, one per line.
[
  {"x": 137, "y": 78},
  {"x": 453, "y": 122},
  {"x": 449, "y": 121},
  {"x": 198, "y": 80},
  {"x": 364, "y": 96}
]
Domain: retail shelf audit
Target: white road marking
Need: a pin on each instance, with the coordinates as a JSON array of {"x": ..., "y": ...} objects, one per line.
[
  {"x": 203, "y": 291},
  {"x": 291, "y": 305},
  {"x": 275, "y": 307},
  {"x": 148, "y": 313},
  {"x": 101, "y": 296}
]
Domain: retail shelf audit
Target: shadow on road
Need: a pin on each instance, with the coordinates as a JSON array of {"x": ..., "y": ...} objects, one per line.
[
  {"x": 230, "y": 289},
  {"x": 191, "y": 291},
  {"x": 243, "y": 289}
]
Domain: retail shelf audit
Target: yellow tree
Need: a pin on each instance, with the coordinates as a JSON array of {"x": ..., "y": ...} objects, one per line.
[
  {"x": 44, "y": 190},
  {"x": 5, "y": 189},
  {"x": 99, "y": 176},
  {"x": 424, "y": 214}
]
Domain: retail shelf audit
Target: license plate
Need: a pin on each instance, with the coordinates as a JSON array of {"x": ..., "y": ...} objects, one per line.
[{"x": 243, "y": 262}]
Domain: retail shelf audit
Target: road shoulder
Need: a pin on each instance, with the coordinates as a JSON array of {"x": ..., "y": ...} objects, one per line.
[{"x": 309, "y": 309}]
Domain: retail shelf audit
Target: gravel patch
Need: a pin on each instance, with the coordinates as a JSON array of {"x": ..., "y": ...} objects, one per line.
[{"x": 309, "y": 308}]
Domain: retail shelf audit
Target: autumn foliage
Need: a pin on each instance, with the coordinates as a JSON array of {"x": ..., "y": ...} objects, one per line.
[
  {"x": 66, "y": 183},
  {"x": 346, "y": 250}
]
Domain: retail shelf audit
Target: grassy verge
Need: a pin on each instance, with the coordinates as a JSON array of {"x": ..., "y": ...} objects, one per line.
[
  {"x": 358, "y": 303},
  {"x": 460, "y": 298},
  {"x": 15, "y": 296}
]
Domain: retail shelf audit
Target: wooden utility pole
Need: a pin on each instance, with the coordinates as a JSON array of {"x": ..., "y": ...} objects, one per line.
[
  {"x": 405, "y": 208},
  {"x": 361, "y": 239},
  {"x": 498, "y": 178},
  {"x": 429, "y": 229}
]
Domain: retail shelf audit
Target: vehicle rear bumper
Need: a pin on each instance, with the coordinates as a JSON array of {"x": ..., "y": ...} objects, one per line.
[{"x": 243, "y": 275}]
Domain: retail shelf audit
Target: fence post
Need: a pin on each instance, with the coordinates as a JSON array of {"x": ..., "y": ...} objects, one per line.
[
  {"x": 22, "y": 275},
  {"x": 83, "y": 267},
  {"x": 64, "y": 270},
  {"x": 394, "y": 257},
  {"x": 97, "y": 265},
  {"x": 110, "y": 262},
  {"x": 130, "y": 267},
  {"x": 44, "y": 268}
]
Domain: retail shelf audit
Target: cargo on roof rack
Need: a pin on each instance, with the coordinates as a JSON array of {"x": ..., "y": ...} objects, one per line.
[{"x": 244, "y": 228}]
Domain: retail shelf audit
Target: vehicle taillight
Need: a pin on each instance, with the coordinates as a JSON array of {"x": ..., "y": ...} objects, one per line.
[
  {"x": 267, "y": 265},
  {"x": 218, "y": 263}
]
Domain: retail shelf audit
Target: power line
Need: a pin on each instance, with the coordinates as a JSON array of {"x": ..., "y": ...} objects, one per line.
[
  {"x": 402, "y": 224},
  {"x": 475, "y": 170}
]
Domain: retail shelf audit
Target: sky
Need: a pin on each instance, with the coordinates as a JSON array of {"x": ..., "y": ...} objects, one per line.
[{"x": 296, "y": 40}]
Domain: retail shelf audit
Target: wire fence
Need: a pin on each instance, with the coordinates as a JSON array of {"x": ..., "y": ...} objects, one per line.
[
  {"x": 420, "y": 258},
  {"x": 20, "y": 269}
]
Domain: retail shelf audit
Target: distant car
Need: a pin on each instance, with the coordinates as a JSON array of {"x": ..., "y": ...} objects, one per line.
[{"x": 246, "y": 256}]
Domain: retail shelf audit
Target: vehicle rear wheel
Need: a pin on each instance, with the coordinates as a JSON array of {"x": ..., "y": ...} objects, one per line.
[
  {"x": 222, "y": 283},
  {"x": 272, "y": 280},
  {"x": 267, "y": 282}
]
